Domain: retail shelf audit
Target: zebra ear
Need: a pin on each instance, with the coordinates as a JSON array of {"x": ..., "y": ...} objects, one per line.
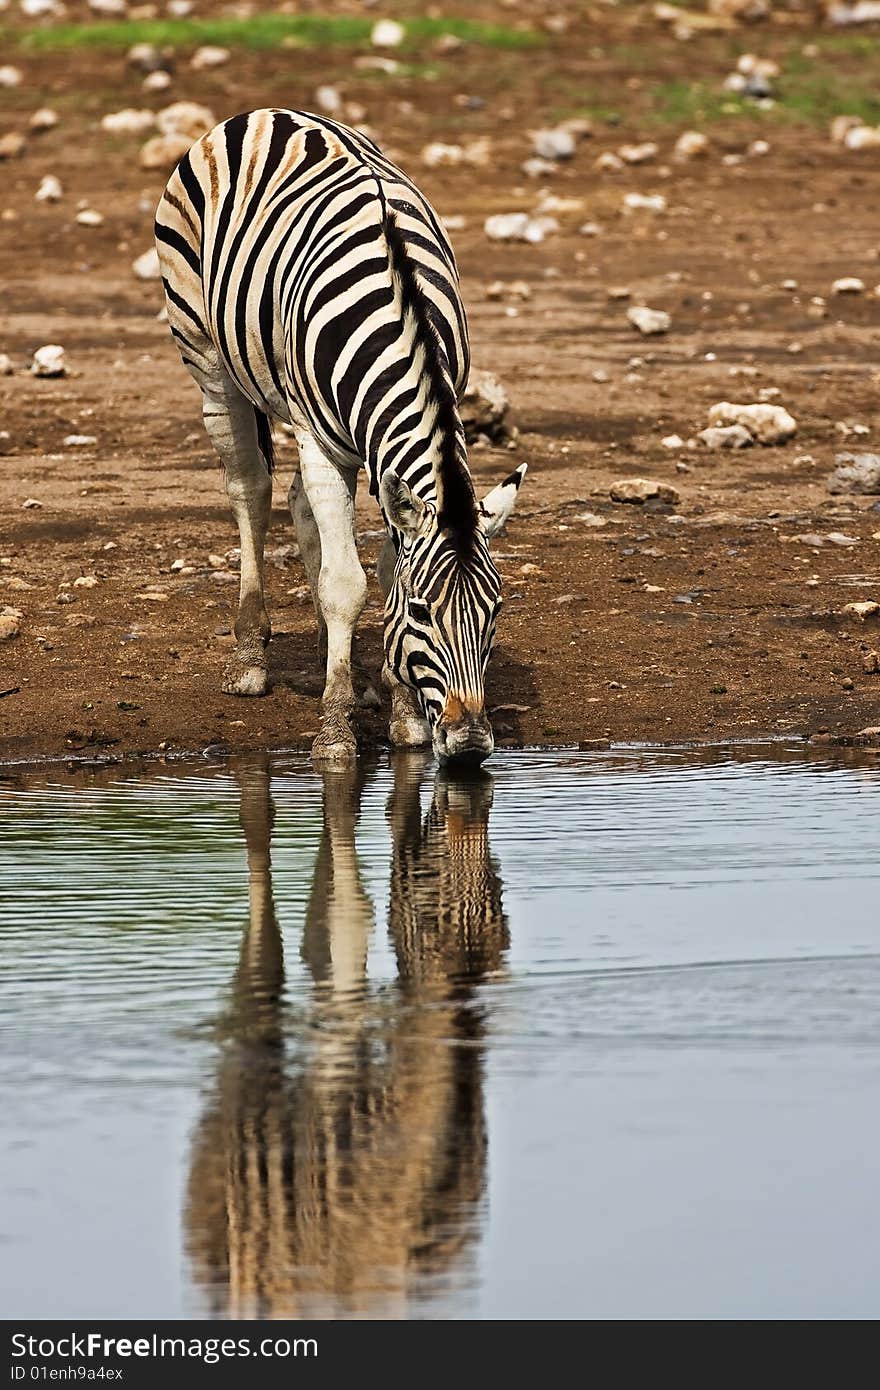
[
  {"x": 497, "y": 505},
  {"x": 403, "y": 510}
]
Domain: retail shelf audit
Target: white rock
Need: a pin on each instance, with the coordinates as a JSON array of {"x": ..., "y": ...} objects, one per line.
[
  {"x": 129, "y": 121},
  {"x": 85, "y": 581},
  {"x": 209, "y": 56},
  {"x": 89, "y": 217},
  {"x": 10, "y": 76},
  {"x": 848, "y": 284},
  {"x": 43, "y": 119},
  {"x": 50, "y": 189},
  {"x": 759, "y": 147},
  {"x": 387, "y": 33},
  {"x": 6, "y": 366},
  {"x": 691, "y": 144},
  {"x": 113, "y": 9},
  {"x": 768, "y": 424},
  {"x": 31, "y": 504},
  {"x": 11, "y": 145},
  {"x": 79, "y": 441},
  {"x": 842, "y": 125},
  {"x": 49, "y": 361},
  {"x": 649, "y": 321},
  {"x": 591, "y": 229},
  {"x": 146, "y": 267},
  {"x": 726, "y": 437},
  {"x": 536, "y": 168},
  {"x": 608, "y": 163},
  {"x": 186, "y": 118},
  {"x": 855, "y": 473},
  {"x": 163, "y": 151},
  {"x": 672, "y": 441},
  {"x": 644, "y": 202},
  {"x": 866, "y": 608},
  {"x": 158, "y": 81},
  {"x": 329, "y": 99},
  {"x": 437, "y": 155},
  {"x": 145, "y": 56},
  {"x": 863, "y": 137},
  {"x": 557, "y": 143},
  {"x": 638, "y": 154},
  {"x": 40, "y": 9},
  {"x": 179, "y": 9},
  {"x": 518, "y": 226},
  {"x": 10, "y": 624},
  {"x": 858, "y": 12},
  {"x": 643, "y": 490}
]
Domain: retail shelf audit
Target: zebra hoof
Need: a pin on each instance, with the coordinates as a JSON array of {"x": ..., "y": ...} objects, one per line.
[
  {"x": 335, "y": 743},
  {"x": 246, "y": 680},
  {"x": 409, "y": 733}
]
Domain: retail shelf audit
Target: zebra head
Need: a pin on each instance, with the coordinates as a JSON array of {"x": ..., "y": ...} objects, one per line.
[{"x": 441, "y": 610}]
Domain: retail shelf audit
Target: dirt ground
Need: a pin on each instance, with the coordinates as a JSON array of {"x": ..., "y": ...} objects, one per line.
[{"x": 703, "y": 620}]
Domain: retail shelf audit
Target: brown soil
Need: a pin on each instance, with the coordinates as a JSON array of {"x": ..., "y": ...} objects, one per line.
[{"x": 707, "y": 621}]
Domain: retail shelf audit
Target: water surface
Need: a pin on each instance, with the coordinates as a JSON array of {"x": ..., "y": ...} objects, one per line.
[{"x": 586, "y": 1036}]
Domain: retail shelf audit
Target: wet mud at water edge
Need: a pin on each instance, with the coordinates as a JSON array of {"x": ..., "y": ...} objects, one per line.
[{"x": 583, "y": 1036}]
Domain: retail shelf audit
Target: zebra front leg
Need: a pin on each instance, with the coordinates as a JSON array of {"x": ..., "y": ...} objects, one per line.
[
  {"x": 342, "y": 593},
  {"x": 231, "y": 422},
  {"x": 408, "y": 727}
]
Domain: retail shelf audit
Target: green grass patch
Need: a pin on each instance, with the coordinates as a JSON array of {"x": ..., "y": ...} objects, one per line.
[{"x": 269, "y": 31}]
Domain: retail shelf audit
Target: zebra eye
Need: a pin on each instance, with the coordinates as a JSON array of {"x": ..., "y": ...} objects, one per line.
[{"x": 420, "y": 612}]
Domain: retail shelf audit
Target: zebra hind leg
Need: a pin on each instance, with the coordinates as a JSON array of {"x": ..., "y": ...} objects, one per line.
[
  {"x": 408, "y": 728},
  {"x": 309, "y": 540},
  {"x": 240, "y": 435},
  {"x": 342, "y": 592}
]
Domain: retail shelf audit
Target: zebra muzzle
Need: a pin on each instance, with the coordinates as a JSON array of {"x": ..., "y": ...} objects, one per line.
[{"x": 463, "y": 734}]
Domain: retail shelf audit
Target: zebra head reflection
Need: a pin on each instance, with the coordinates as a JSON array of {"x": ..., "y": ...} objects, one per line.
[{"x": 341, "y": 1158}]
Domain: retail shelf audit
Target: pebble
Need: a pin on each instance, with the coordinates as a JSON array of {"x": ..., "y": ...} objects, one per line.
[
  {"x": 188, "y": 118},
  {"x": 649, "y": 321},
  {"x": 643, "y": 490},
  {"x": 10, "y": 624},
  {"x": 387, "y": 33},
  {"x": 638, "y": 154},
  {"x": 859, "y": 473},
  {"x": 50, "y": 189},
  {"x": 864, "y": 609},
  {"x": 49, "y": 361},
  {"x": 163, "y": 151},
  {"x": 89, "y": 217},
  {"x": 209, "y": 56},
  {"x": 592, "y": 520},
  {"x": 591, "y": 229},
  {"x": 518, "y": 226},
  {"x": 644, "y": 202},
  {"x": 11, "y": 145},
  {"x": 484, "y": 406},
  {"x": 85, "y": 581},
  {"x": 145, "y": 56},
  {"x": 129, "y": 121},
  {"x": 672, "y": 441},
  {"x": 849, "y": 284},
  {"x": 329, "y": 99},
  {"x": 871, "y": 663},
  {"x": 79, "y": 441},
  {"x": 608, "y": 163},
  {"x": 863, "y": 137},
  {"x": 146, "y": 266},
  {"x": 10, "y": 76},
  {"x": 6, "y": 366},
  {"x": 555, "y": 144},
  {"x": 158, "y": 81},
  {"x": 43, "y": 119},
  {"x": 726, "y": 437},
  {"x": 768, "y": 424},
  {"x": 31, "y": 504},
  {"x": 691, "y": 144}
]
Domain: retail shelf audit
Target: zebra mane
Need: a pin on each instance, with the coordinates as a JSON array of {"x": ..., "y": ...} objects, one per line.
[{"x": 457, "y": 504}]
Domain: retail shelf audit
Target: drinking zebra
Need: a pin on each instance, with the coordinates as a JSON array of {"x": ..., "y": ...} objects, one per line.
[{"x": 308, "y": 281}]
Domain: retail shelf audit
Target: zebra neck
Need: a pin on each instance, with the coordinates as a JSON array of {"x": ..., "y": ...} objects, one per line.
[{"x": 431, "y": 458}]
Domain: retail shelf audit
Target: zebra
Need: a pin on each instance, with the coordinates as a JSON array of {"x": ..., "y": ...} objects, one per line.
[
  {"x": 341, "y": 1158},
  {"x": 308, "y": 281}
]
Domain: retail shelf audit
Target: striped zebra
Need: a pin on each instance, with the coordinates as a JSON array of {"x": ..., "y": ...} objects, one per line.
[{"x": 309, "y": 281}]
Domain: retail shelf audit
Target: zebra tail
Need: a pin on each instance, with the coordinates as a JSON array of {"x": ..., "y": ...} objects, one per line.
[{"x": 264, "y": 439}]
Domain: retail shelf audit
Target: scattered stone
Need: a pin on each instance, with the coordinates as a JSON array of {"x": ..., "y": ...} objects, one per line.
[
  {"x": 6, "y": 366},
  {"x": 591, "y": 229},
  {"x": 672, "y": 441},
  {"x": 186, "y": 118},
  {"x": 49, "y": 361},
  {"x": 759, "y": 147},
  {"x": 152, "y": 596},
  {"x": 163, "y": 151},
  {"x": 146, "y": 266},
  {"x": 848, "y": 428},
  {"x": 592, "y": 520},
  {"x": 862, "y": 137},
  {"x": 484, "y": 407},
  {"x": 50, "y": 189},
  {"x": 209, "y": 56},
  {"x": 638, "y": 154},
  {"x": 158, "y": 81},
  {"x": 768, "y": 424},
  {"x": 555, "y": 144},
  {"x": 726, "y": 437},
  {"x": 11, "y": 145},
  {"x": 329, "y": 99},
  {"x": 871, "y": 663},
  {"x": 863, "y": 609},
  {"x": 129, "y": 121},
  {"x": 518, "y": 226},
  {"x": 858, "y": 473},
  {"x": 643, "y": 490},
  {"x": 89, "y": 217},
  {"x": 438, "y": 155},
  {"x": 857, "y": 12},
  {"x": 42, "y": 120},
  {"x": 849, "y": 284},
  {"x": 644, "y": 202},
  {"x": 112, "y": 9},
  {"x": 31, "y": 504},
  {"x": 608, "y": 163},
  {"x": 649, "y": 321},
  {"x": 85, "y": 581},
  {"x": 387, "y": 33},
  {"x": 10, "y": 76},
  {"x": 145, "y": 56},
  {"x": 10, "y": 624},
  {"x": 691, "y": 144}
]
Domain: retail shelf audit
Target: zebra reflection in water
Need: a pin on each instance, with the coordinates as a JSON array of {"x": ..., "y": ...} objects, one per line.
[{"x": 342, "y": 1162}]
